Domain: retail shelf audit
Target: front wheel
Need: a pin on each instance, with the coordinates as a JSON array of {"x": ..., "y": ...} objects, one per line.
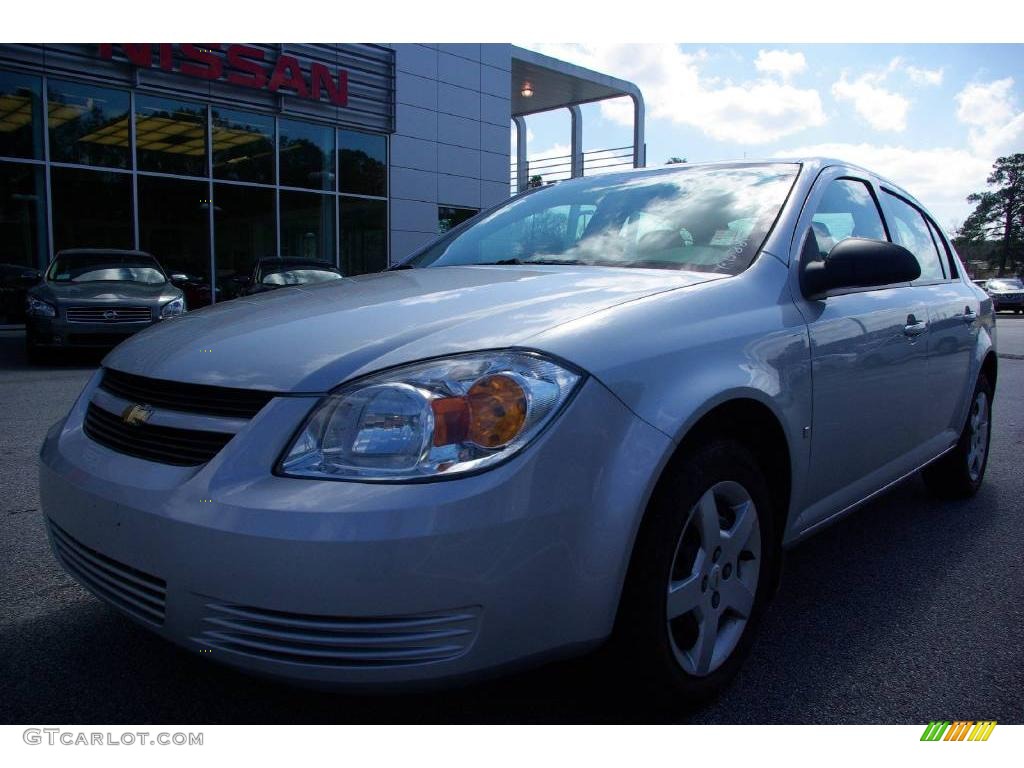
[
  {"x": 700, "y": 575},
  {"x": 960, "y": 472}
]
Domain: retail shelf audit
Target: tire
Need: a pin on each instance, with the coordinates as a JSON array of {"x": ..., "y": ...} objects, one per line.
[
  {"x": 960, "y": 473},
  {"x": 674, "y": 561},
  {"x": 33, "y": 353}
]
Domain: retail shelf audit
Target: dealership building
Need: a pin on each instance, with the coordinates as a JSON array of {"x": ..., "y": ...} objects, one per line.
[{"x": 211, "y": 156}]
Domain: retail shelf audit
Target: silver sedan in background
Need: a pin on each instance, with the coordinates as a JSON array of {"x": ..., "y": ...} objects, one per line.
[{"x": 598, "y": 413}]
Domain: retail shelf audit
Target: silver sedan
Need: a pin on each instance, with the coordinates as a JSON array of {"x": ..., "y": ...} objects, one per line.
[{"x": 598, "y": 413}]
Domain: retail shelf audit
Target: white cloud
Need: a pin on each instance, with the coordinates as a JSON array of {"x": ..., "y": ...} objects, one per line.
[
  {"x": 922, "y": 76},
  {"x": 996, "y": 126},
  {"x": 675, "y": 88},
  {"x": 783, "y": 63},
  {"x": 884, "y": 110},
  {"x": 940, "y": 178}
]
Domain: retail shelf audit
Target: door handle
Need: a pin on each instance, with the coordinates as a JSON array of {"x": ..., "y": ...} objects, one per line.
[
  {"x": 969, "y": 315},
  {"x": 914, "y": 327}
]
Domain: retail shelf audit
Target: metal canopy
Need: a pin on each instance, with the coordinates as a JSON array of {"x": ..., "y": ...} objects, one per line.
[{"x": 557, "y": 84}]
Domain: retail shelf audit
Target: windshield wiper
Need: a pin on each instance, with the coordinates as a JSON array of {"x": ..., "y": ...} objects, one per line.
[{"x": 542, "y": 262}]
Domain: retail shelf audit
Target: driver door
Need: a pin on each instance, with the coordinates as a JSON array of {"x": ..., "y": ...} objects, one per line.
[{"x": 868, "y": 359}]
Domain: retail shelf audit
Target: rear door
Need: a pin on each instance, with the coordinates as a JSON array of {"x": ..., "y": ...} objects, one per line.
[
  {"x": 868, "y": 358},
  {"x": 952, "y": 319}
]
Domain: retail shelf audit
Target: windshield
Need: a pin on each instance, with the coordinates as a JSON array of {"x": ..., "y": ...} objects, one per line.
[
  {"x": 106, "y": 267},
  {"x": 300, "y": 276},
  {"x": 701, "y": 219},
  {"x": 1005, "y": 285}
]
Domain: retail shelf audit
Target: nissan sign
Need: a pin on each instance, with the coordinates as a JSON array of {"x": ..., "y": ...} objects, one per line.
[{"x": 241, "y": 65}]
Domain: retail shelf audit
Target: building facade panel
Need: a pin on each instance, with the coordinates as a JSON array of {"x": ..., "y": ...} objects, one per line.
[{"x": 213, "y": 156}]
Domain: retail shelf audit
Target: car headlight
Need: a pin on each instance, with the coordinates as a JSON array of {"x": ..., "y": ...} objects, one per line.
[
  {"x": 438, "y": 418},
  {"x": 40, "y": 308},
  {"x": 173, "y": 308}
]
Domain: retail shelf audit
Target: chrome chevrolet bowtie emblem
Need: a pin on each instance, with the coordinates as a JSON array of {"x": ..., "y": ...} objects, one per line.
[
  {"x": 134, "y": 415},
  {"x": 110, "y": 315}
]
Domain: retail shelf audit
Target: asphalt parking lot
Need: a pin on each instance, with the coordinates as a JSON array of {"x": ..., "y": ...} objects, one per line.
[{"x": 909, "y": 611}]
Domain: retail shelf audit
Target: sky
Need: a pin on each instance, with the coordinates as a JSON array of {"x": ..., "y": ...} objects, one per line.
[{"x": 932, "y": 118}]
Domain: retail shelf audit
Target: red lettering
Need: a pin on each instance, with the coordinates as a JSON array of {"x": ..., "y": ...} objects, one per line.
[
  {"x": 246, "y": 67},
  {"x": 166, "y": 56},
  {"x": 203, "y": 61},
  {"x": 293, "y": 79},
  {"x": 139, "y": 54},
  {"x": 250, "y": 74},
  {"x": 337, "y": 93}
]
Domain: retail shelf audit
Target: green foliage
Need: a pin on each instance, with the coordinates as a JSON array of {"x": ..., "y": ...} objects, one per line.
[{"x": 998, "y": 216}]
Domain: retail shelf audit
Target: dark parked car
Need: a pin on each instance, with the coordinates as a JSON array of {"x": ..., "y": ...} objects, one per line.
[
  {"x": 1007, "y": 293},
  {"x": 97, "y": 298},
  {"x": 15, "y": 280},
  {"x": 269, "y": 274}
]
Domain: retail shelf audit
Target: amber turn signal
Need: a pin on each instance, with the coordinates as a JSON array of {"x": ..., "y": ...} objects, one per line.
[
  {"x": 497, "y": 410},
  {"x": 490, "y": 415}
]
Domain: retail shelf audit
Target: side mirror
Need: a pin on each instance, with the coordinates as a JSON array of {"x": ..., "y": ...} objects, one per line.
[
  {"x": 856, "y": 262},
  {"x": 178, "y": 277}
]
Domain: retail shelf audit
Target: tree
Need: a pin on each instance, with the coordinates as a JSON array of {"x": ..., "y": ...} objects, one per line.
[
  {"x": 536, "y": 181},
  {"x": 675, "y": 160},
  {"x": 998, "y": 215}
]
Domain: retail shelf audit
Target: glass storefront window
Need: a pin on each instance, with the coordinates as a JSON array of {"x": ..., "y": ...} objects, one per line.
[
  {"x": 88, "y": 125},
  {"x": 449, "y": 216},
  {"x": 170, "y": 136},
  {"x": 21, "y": 121},
  {"x": 22, "y": 214},
  {"x": 174, "y": 226},
  {"x": 307, "y": 155},
  {"x": 362, "y": 163},
  {"x": 243, "y": 146},
  {"x": 364, "y": 236},
  {"x": 307, "y": 226},
  {"x": 243, "y": 233},
  {"x": 91, "y": 209}
]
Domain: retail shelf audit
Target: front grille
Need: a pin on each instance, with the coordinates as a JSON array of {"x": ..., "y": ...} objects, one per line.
[
  {"x": 133, "y": 591},
  {"x": 192, "y": 398},
  {"x": 338, "y": 641},
  {"x": 167, "y": 445},
  {"x": 108, "y": 314}
]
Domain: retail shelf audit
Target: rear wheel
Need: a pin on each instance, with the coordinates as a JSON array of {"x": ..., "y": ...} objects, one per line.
[
  {"x": 700, "y": 574},
  {"x": 960, "y": 472}
]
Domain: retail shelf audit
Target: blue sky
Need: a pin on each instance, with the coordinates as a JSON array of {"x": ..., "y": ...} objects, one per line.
[{"x": 930, "y": 117}]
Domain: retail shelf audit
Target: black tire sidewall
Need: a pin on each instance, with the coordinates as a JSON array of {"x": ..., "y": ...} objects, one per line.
[{"x": 641, "y": 636}]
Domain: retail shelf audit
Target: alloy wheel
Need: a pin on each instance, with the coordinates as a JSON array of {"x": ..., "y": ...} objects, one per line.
[
  {"x": 713, "y": 580},
  {"x": 979, "y": 424}
]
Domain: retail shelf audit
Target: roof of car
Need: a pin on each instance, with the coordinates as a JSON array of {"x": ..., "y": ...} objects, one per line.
[
  {"x": 296, "y": 262},
  {"x": 813, "y": 164},
  {"x": 102, "y": 251}
]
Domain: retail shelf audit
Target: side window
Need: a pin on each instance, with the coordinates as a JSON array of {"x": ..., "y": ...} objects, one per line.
[
  {"x": 940, "y": 243},
  {"x": 847, "y": 209},
  {"x": 910, "y": 230}
]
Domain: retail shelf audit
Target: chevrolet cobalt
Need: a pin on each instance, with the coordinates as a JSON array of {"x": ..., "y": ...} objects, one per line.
[{"x": 596, "y": 414}]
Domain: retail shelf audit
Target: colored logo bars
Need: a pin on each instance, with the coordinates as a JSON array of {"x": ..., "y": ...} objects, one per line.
[{"x": 960, "y": 730}]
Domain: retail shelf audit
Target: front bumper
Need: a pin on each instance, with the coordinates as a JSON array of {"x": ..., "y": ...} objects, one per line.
[
  {"x": 342, "y": 583},
  {"x": 57, "y": 332}
]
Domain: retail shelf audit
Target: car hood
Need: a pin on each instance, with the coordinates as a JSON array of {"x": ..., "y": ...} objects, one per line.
[
  {"x": 100, "y": 292},
  {"x": 312, "y": 338}
]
